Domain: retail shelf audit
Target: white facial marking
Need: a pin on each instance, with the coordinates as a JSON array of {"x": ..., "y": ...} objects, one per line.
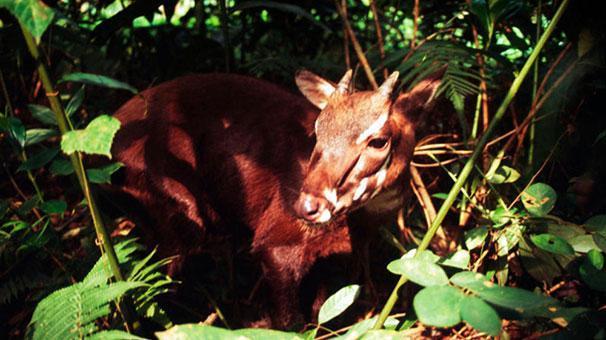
[
  {"x": 361, "y": 189},
  {"x": 324, "y": 217},
  {"x": 373, "y": 128},
  {"x": 307, "y": 204},
  {"x": 331, "y": 196},
  {"x": 381, "y": 177}
]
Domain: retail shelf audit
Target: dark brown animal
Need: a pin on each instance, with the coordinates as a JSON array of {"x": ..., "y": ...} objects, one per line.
[{"x": 205, "y": 152}]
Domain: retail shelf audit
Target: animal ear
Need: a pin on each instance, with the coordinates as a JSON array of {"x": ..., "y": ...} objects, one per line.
[
  {"x": 315, "y": 88},
  {"x": 421, "y": 98}
]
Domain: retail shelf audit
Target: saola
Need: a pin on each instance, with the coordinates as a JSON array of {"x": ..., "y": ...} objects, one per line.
[{"x": 205, "y": 152}]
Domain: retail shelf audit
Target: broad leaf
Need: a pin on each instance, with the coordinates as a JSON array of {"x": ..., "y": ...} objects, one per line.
[
  {"x": 34, "y": 136},
  {"x": 552, "y": 244},
  {"x": 35, "y": 15},
  {"x": 504, "y": 174},
  {"x": 61, "y": 167},
  {"x": 197, "y": 331},
  {"x": 419, "y": 271},
  {"x": 95, "y": 139},
  {"x": 98, "y": 80},
  {"x": 583, "y": 243},
  {"x": 459, "y": 259},
  {"x": 43, "y": 114},
  {"x": 480, "y": 315},
  {"x": 75, "y": 102},
  {"x": 438, "y": 306},
  {"x": 103, "y": 175},
  {"x": 521, "y": 301},
  {"x": 39, "y": 160},
  {"x": 596, "y": 223},
  {"x": 338, "y": 303},
  {"x": 475, "y": 237},
  {"x": 15, "y": 130},
  {"x": 54, "y": 206},
  {"x": 539, "y": 199}
]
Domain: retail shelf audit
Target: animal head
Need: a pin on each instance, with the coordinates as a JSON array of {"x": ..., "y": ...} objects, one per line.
[{"x": 364, "y": 142}]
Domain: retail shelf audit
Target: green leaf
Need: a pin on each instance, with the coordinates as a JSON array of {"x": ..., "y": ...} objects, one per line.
[
  {"x": 113, "y": 334},
  {"x": 197, "y": 331},
  {"x": 596, "y": 223},
  {"x": 95, "y": 139},
  {"x": 61, "y": 167},
  {"x": 583, "y": 243},
  {"x": 43, "y": 114},
  {"x": 38, "y": 160},
  {"x": 15, "y": 129},
  {"x": 591, "y": 274},
  {"x": 34, "y": 136},
  {"x": 596, "y": 258},
  {"x": 287, "y": 8},
  {"x": 523, "y": 302},
  {"x": 504, "y": 174},
  {"x": 33, "y": 14},
  {"x": 501, "y": 216},
  {"x": 552, "y": 244},
  {"x": 539, "y": 199},
  {"x": 54, "y": 206},
  {"x": 98, "y": 80},
  {"x": 338, "y": 303},
  {"x": 419, "y": 271},
  {"x": 600, "y": 241},
  {"x": 480, "y": 315},
  {"x": 75, "y": 102},
  {"x": 103, "y": 175},
  {"x": 71, "y": 312},
  {"x": 459, "y": 259},
  {"x": 438, "y": 306},
  {"x": 357, "y": 330},
  {"x": 475, "y": 237}
]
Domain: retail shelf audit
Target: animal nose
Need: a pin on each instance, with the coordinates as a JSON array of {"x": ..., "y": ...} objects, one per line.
[{"x": 312, "y": 209}]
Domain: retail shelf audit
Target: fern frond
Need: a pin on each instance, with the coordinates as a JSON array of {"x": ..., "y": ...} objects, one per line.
[{"x": 71, "y": 312}]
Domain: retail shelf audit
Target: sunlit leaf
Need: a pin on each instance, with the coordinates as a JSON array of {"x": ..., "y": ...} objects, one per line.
[
  {"x": 338, "y": 303},
  {"x": 35, "y": 15},
  {"x": 552, "y": 244},
  {"x": 475, "y": 237},
  {"x": 539, "y": 199},
  {"x": 438, "y": 306},
  {"x": 95, "y": 139},
  {"x": 459, "y": 259},
  {"x": 504, "y": 174},
  {"x": 421, "y": 272},
  {"x": 198, "y": 331}
]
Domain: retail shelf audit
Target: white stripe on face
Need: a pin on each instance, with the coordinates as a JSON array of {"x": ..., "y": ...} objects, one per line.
[
  {"x": 375, "y": 127},
  {"x": 331, "y": 196},
  {"x": 361, "y": 189}
]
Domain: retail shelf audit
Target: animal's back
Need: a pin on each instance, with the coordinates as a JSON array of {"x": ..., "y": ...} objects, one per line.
[{"x": 204, "y": 151}]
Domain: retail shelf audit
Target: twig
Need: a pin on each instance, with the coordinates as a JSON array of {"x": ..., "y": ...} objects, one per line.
[
  {"x": 356, "y": 45},
  {"x": 375, "y": 17}
]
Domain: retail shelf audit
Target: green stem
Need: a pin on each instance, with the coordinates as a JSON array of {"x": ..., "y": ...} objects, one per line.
[
  {"x": 76, "y": 160},
  {"x": 535, "y": 82},
  {"x": 456, "y": 188}
]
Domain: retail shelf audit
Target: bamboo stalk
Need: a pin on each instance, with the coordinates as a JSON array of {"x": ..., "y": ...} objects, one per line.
[{"x": 469, "y": 165}]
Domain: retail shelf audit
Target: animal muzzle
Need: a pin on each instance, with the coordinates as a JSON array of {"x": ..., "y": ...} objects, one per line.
[{"x": 313, "y": 209}]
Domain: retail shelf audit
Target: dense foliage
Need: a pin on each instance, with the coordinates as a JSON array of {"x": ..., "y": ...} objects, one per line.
[{"x": 515, "y": 247}]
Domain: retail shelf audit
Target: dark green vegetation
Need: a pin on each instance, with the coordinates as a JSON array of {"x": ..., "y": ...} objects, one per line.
[{"x": 510, "y": 173}]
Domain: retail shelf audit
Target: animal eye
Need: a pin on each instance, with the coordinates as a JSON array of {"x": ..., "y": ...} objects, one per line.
[{"x": 378, "y": 143}]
